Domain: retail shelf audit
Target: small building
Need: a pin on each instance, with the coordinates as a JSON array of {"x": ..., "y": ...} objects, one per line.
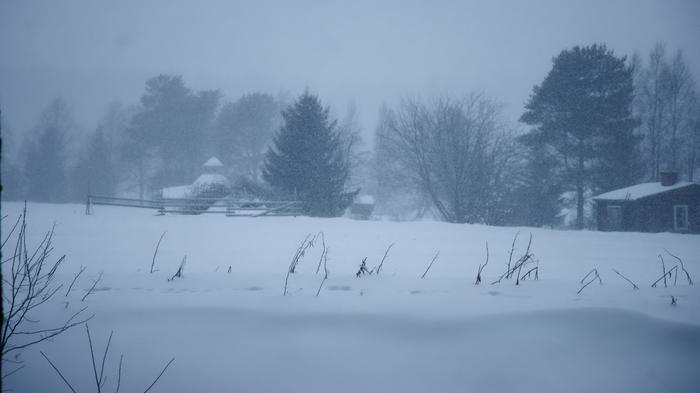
[
  {"x": 210, "y": 183},
  {"x": 362, "y": 207},
  {"x": 666, "y": 206}
]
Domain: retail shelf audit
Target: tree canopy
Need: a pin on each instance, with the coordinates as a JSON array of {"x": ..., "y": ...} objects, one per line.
[{"x": 583, "y": 110}]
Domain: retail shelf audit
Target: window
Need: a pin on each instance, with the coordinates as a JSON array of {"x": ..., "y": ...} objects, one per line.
[
  {"x": 680, "y": 217},
  {"x": 614, "y": 217}
]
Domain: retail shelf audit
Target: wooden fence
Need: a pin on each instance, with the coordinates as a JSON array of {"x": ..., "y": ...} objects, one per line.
[{"x": 228, "y": 206}]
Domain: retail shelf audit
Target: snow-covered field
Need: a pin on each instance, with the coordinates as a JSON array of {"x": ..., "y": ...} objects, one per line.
[{"x": 396, "y": 332}]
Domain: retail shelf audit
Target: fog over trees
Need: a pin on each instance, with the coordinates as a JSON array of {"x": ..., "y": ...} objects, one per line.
[{"x": 597, "y": 119}]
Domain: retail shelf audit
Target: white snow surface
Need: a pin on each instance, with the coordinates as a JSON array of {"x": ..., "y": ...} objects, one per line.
[
  {"x": 208, "y": 179},
  {"x": 639, "y": 191},
  {"x": 235, "y": 332}
]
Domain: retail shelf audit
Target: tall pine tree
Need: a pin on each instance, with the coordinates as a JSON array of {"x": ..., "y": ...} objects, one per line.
[
  {"x": 306, "y": 158},
  {"x": 583, "y": 109}
]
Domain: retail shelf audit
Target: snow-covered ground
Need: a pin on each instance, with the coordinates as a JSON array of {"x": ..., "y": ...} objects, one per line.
[{"x": 396, "y": 332}]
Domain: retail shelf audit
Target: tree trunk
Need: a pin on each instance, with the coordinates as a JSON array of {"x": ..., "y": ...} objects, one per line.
[{"x": 579, "y": 190}]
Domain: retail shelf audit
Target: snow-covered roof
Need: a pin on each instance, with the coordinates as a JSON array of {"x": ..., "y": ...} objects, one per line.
[
  {"x": 640, "y": 191},
  {"x": 213, "y": 163}
]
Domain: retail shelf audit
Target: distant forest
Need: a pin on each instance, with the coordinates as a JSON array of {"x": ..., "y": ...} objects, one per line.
[{"x": 598, "y": 121}]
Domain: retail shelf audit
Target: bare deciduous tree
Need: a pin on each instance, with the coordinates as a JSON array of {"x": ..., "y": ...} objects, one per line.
[
  {"x": 455, "y": 151},
  {"x": 29, "y": 286}
]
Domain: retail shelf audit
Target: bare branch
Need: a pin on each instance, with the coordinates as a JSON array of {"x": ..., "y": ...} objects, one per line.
[
  {"x": 381, "y": 264},
  {"x": 430, "y": 265},
  {"x": 687, "y": 275},
  {"x": 159, "y": 375},
  {"x": 481, "y": 267},
  {"x": 155, "y": 253},
  {"x": 92, "y": 288},
  {"x": 58, "y": 372},
  {"x": 666, "y": 273},
  {"x": 180, "y": 269},
  {"x": 634, "y": 286},
  {"x": 82, "y": 269}
]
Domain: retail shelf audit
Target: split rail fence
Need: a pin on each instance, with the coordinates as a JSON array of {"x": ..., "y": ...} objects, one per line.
[{"x": 228, "y": 206}]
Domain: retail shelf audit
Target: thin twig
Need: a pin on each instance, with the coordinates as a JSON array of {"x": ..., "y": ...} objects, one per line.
[
  {"x": 300, "y": 252},
  {"x": 668, "y": 273},
  {"x": 13, "y": 371},
  {"x": 587, "y": 284},
  {"x": 634, "y": 286},
  {"x": 512, "y": 250},
  {"x": 481, "y": 267},
  {"x": 323, "y": 252},
  {"x": 94, "y": 284},
  {"x": 92, "y": 356},
  {"x": 325, "y": 269},
  {"x": 178, "y": 273},
  {"x": 104, "y": 357},
  {"x": 663, "y": 268},
  {"x": 687, "y": 275},
  {"x": 381, "y": 264},
  {"x": 159, "y": 375},
  {"x": 58, "y": 372},
  {"x": 431, "y": 264},
  {"x": 119, "y": 374},
  {"x": 153, "y": 262},
  {"x": 82, "y": 269}
]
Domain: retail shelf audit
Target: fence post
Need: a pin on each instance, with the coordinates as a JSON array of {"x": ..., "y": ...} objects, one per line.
[{"x": 88, "y": 207}]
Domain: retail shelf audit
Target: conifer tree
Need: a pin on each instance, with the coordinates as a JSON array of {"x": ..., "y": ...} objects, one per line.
[
  {"x": 306, "y": 158},
  {"x": 583, "y": 109}
]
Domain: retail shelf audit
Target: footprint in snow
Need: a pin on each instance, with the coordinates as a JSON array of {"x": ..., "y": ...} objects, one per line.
[{"x": 339, "y": 287}]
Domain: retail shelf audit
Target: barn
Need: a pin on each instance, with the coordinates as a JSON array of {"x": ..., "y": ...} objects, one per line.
[{"x": 666, "y": 206}]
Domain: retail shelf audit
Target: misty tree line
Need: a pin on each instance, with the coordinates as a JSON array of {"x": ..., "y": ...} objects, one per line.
[{"x": 597, "y": 122}]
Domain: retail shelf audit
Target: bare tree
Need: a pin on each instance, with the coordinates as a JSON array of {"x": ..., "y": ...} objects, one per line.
[
  {"x": 667, "y": 105},
  {"x": 456, "y": 151},
  {"x": 29, "y": 286},
  {"x": 679, "y": 94},
  {"x": 101, "y": 377},
  {"x": 652, "y": 106}
]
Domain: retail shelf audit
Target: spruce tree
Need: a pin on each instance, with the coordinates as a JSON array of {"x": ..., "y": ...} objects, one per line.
[{"x": 306, "y": 158}]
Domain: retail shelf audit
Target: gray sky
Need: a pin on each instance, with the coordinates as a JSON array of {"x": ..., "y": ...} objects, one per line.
[{"x": 368, "y": 52}]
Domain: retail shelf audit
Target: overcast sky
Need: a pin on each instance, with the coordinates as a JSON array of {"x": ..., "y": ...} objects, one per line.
[{"x": 367, "y": 52}]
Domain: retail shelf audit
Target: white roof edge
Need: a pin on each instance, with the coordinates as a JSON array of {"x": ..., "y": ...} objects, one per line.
[{"x": 640, "y": 191}]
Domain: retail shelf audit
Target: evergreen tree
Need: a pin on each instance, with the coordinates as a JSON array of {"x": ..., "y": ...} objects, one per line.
[
  {"x": 173, "y": 122},
  {"x": 306, "y": 158},
  {"x": 538, "y": 199},
  {"x": 583, "y": 109}
]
